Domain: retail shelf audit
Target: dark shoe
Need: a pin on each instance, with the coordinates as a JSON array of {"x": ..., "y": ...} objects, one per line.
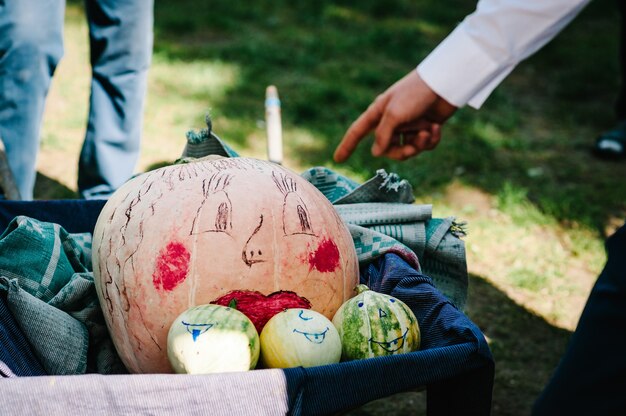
[{"x": 612, "y": 144}]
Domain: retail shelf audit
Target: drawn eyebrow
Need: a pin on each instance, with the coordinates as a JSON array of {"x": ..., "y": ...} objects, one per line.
[
  {"x": 284, "y": 183},
  {"x": 218, "y": 182},
  {"x": 304, "y": 318}
]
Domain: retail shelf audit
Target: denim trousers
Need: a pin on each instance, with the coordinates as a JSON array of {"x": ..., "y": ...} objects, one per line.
[
  {"x": 31, "y": 46},
  {"x": 591, "y": 377}
]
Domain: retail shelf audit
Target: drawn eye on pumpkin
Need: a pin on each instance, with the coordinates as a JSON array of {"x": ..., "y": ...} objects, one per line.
[
  {"x": 216, "y": 210},
  {"x": 304, "y": 318},
  {"x": 296, "y": 216}
]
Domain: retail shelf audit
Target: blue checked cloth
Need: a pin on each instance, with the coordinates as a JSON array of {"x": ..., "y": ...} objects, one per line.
[{"x": 46, "y": 279}]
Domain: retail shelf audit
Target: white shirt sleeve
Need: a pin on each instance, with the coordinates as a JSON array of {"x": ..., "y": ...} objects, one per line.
[{"x": 483, "y": 49}]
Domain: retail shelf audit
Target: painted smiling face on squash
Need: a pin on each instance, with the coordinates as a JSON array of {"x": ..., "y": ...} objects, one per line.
[
  {"x": 373, "y": 324},
  {"x": 187, "y": 234},
  {"x": 299, "y": 337}
]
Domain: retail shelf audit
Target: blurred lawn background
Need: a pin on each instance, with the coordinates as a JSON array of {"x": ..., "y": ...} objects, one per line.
[{"x": 519, "y": 171}]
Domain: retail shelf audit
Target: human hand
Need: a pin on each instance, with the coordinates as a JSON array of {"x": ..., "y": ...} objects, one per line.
[{"x": 406, "y": 119}]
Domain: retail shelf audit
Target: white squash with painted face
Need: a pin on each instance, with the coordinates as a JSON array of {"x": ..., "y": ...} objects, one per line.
[
  {"x": 184, "y": 235},
  {"x": 299, "y": 338},
  {"x": 207, "y": 339}
]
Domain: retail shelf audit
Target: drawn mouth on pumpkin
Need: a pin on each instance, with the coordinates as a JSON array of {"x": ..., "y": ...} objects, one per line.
[
  {"x": 393, "y": 345},
  {"x": 196, "y": 329},
  {"x": 314, "y": 337}
]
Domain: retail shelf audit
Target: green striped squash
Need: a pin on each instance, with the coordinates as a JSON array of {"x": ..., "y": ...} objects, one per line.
[
  {"x": 373, "y": 324},
  {"x": 212, "y": 339},
  {"x": 299, "y": 337}
]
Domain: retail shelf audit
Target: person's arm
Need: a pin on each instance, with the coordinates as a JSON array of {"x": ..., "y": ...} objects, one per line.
[{"x": 464, "y": 69}]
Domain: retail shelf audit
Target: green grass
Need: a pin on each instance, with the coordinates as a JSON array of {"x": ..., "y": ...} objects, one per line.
[{"x": 538, "y": 205}]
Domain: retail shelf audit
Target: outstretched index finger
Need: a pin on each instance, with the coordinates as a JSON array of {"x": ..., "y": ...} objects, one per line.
[{"x": 358, "y": 130}]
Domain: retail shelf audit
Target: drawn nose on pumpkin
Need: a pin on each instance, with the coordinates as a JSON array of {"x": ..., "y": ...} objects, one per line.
[{"x": 253, "y": 251}]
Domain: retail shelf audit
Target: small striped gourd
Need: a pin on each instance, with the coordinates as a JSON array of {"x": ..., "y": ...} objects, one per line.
[
  {"x": 373, "y": 324},
  {"x": 212, "y": 339}
]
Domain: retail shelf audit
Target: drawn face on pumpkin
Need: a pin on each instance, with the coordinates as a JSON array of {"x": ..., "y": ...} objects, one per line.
[
  {"x": 218, "y": 214},
  {"x": 253, "y": 224},
  {"x": 256, "y": 224},
  {"x": 311, "y": 327}
]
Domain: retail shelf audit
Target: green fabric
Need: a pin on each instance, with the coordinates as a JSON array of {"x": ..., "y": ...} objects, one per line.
[
  {"x": 382, "y": 218},
  {"x": 46, "y": 273},
  {"x": 205, "y": 142}
]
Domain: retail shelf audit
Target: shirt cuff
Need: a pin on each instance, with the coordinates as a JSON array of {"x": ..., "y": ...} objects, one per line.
[{"x": 461, "y": 72}]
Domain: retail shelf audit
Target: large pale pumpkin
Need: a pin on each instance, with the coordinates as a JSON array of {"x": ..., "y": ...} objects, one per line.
[{"x": 186, "y": 234}]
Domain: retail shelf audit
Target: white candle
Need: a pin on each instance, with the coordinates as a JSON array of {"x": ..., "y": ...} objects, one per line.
[{"x": 274, "y": 125}]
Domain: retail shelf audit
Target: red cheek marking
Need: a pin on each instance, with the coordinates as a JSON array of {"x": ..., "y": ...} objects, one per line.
[
  {"x": 326, "y": 257},
  {"x": 172, "y": 265}
]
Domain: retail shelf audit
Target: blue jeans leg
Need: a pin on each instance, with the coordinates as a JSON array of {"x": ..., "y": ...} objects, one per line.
[
  {"x": 591, "y": 377},
  {"x": 121, "y": 37},
  {"x": 31, "y": 45}
]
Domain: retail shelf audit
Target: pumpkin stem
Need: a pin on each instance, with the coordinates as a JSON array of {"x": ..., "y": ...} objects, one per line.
[
  {"x": 361, "y": 288},
  {"x": 232, "y": 303}
]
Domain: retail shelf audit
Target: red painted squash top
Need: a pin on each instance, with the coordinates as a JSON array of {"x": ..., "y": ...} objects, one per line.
[{"x": 184, "y": 235}]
